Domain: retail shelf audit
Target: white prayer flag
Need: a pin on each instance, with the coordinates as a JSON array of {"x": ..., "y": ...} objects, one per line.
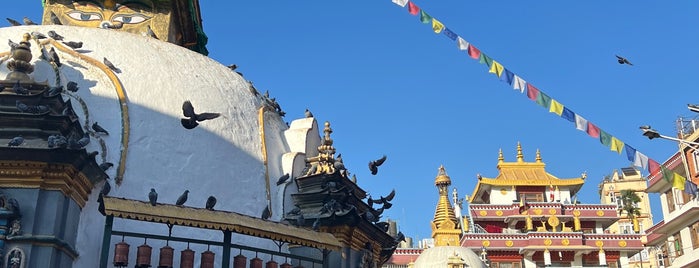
[{"x": 401, "y": 3}]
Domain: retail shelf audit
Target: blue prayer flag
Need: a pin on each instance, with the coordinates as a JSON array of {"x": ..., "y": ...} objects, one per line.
[
  {"x": 568, "y": 114},
  {"x": 508, "y": 76},
  {"x": 449, "y": 34},
  {"x": 630, "y": 152}
]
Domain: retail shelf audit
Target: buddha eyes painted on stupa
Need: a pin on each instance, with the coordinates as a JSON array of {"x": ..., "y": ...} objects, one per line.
[{"x": 130, "y": 16}]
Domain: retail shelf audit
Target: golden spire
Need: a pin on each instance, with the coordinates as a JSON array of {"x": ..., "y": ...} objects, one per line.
[
  {"x": 445, "y": 226},
  {"x": 538, "y": 156},
  {"x": 520, "y": 157},
  {"x": 500, "y": 157},
  {"x": 325, "y": 161}
]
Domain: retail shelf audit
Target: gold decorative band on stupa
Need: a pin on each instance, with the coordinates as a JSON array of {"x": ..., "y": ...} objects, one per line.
[{"x": 121, "y": 94}]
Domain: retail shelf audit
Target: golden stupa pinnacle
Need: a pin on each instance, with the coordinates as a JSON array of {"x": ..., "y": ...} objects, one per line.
[
  {"x": 520, "y": 157},
  {"x": 500, "y": 157},
  {"x": 538, "y": 156}
]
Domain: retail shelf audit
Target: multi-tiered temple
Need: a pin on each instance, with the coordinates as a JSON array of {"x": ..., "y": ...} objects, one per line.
[{"x": 526, "y": 217}]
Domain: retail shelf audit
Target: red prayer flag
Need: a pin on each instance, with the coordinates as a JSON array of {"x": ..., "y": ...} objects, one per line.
[
  {"x": 532, "y": 92},
  {"x": 592, "y": 130},
  {"x": 474, "y": 52},
  {"x": 413, "y": 9},
  {"x": 653, "y": 167}
]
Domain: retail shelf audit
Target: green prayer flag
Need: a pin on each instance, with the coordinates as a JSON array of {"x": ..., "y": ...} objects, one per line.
[
  {"x": 485, "y": 59},
  {"x": 424, "y": 18},
  {"x": 605, "y": 138},
  {"x": 543, "y": 100},
  {"x": 668, "y": 175}
]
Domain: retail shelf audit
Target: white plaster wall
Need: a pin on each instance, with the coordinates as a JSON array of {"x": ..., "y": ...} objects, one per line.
[
  {"x": 221, "y": 157},
  {"x": 498, "y": 198}
]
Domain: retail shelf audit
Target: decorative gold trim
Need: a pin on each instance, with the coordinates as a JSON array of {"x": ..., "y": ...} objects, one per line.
[
  {"x": 622, "y": 243},
  {"x": 548, "y": 242},
  {"x": 599, "y": 243},
  {"x": 56, "y": 177},
  {"x": 538, "y": 211},
  {"x": 486, "y": 243},
  {"x": 576, "y": 213},
  {"x": 121, "y": 94},
  {"x": 600, "y": 213},
  {"x": 565, "y": 242},
  {"x": 220, "y": 220},
  {"x": 483, "y": 213},
  {"x": 499, "y": 212},
  {"x": 509, "y": 243},
  {"x": 552, "y": 211},
  {"x": 263, "y": 140}
]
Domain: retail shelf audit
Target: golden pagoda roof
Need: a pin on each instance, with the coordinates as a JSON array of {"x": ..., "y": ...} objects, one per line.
[
  {"x": 442, "y": 177},
  {"x": 521, "y": 173}
]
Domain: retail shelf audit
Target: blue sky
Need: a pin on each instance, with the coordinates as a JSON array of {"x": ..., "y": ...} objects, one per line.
[{"x": 389, "y": 85}]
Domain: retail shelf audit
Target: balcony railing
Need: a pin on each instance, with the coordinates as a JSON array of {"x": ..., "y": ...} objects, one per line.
[{"x": 686, "y": 126}]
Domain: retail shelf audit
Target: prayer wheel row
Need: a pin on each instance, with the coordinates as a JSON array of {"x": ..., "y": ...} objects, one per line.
[{"x": 143, "y": 257}]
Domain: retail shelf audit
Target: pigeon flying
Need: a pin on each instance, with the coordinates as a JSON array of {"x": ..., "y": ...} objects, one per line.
[
  {"x": 153, "y": 197},
  {"x": 210, "y": 202},
  {"x": 182, "y": 198},
  {"x": 622, "y": 60},
  {"x": 97, "y": 128},
  {"x": 374, "y": 165},
  {"x": 192, "y": 118}
]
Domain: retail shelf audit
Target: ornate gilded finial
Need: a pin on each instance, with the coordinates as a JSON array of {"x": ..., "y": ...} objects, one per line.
[
  {"x": 538, "y": 156},
  {"x": 500, "y": 157},
  {"x": 442, "y": 177},
  {"x": 325, "y": 161},
  {"x": 584, "y": 175},
  {"x": 20, "y": 65},
  {"x": 520, "y": 157}
]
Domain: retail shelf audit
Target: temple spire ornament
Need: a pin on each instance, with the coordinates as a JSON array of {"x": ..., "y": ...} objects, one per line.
[
  {"x": 501, "y": 158},
  {"x": 20, "y": 65},
  {"x": 520, "y": 156},
  {"x": 538, "y": 156},
  {"x": 324, "y": 163}
]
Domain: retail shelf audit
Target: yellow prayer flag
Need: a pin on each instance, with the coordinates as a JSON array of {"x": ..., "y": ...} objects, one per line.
[
  {"x": 678, "y": 181},
  {"x": 556, "y": 107},
  {"x": 496, "y": 68},
  {"x": 437, "y": 26},
  {"x": 617, "y": 145}
]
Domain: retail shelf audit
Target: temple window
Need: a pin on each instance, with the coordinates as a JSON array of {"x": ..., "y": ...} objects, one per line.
[
  {"x": 676, "y": 245},
  {"x": 670, "y": 198},
  {"x": 695, "y": 235}
]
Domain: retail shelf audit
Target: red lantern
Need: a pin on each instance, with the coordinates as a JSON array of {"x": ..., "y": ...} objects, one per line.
[
  {"x": 121, "y": 254},
  {"x": 187, "y": 258},
  {"x": 143, "y": 256},
  {"x": 167, "y": 255}
]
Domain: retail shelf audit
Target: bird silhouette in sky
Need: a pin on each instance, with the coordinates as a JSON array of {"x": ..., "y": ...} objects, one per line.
[
  {"x": 622, "y": 60},
  {"x": 374, "y": 165}
]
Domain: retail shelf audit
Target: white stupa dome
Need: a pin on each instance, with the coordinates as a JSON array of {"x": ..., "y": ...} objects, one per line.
[
  {"x": 438, "y": 257},
  {"x": 223, "y": 157}
]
